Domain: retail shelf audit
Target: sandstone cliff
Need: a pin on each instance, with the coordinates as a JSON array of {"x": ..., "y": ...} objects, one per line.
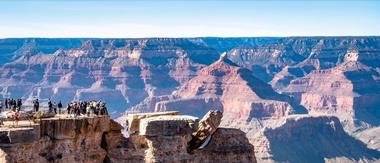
[
  {"x": 161, "y": 139},
  {"x": 349, "y": 91},
  {"x": 328, "y": 75},
  {"x": 231, "y": 89}
]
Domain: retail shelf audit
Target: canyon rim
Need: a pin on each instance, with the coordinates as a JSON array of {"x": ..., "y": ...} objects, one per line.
[{"x": 164, "y": 81}]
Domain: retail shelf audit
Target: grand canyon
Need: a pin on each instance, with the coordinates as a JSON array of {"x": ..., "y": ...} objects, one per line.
[{"x": 283, "y": 99}]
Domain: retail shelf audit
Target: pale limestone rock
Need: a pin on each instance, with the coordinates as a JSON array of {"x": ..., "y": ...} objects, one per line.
[
  {"x": 59, "y": 140},
  {"x": 134, "y": 119},
  {"x": 168, "y": 125}
]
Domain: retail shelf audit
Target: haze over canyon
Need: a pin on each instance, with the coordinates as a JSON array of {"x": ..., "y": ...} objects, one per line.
[{"x": 298, "y": 99}]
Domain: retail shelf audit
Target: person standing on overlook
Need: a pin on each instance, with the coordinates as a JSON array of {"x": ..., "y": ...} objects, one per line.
[
  {"x": 36, "y": 105},
  {"x": 50, "y": 106},
  {"x": 16, "y": 118},
  {"x": 59, "y": 107},
  {"x": 55, "y": 107},
  {"x": 19, "y": 104},
  {"x": 13, "y": 104},
  {"x": 1, "y": 106},
  {"x": 6, "y": 103},
  {"x": 69, "y": 108}
]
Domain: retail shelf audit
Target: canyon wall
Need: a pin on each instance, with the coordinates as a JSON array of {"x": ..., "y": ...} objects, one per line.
[
  {"x": 256, "y": 82},
  {"x": 100, "y": 139}
]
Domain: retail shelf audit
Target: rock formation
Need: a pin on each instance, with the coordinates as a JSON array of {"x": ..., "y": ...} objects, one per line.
[
  {"x": 207, "y": 127},
  {"x": 350, "y": 91},
  {"x": 161, "y": 138},
  {"x": 304, "y": 138},
  {"x": 56, "y": 140},
  {"x": 119, "y": 72},
  {"x": 226, "y": 87},
  {"x": 284, "y": 59},
  {"x": 128, "y": 71},
  {"x": 257, "y": 83}
]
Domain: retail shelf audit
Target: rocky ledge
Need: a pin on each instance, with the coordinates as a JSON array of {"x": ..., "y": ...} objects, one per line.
[{"x": 159, "y": 138}]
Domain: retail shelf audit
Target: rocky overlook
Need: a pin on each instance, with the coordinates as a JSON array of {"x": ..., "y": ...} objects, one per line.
[{"x": 158, "y": 138}]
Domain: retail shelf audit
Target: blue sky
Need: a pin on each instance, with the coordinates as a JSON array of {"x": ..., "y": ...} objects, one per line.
[{"x": 185, "y": 18}]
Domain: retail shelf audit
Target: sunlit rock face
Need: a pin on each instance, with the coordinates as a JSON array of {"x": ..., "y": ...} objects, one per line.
[
  {"x": 131, "y": 71},
  {"x": 162, "y": 138},
  {"x": 120, "y": 72},
  {"x": 349, "y": 91},
  {"x": 58, "y": 140},
  {"x": 231, "y": 89},
  {"x": 327, "y": 75},
  {"x": 257, "y": 83}
]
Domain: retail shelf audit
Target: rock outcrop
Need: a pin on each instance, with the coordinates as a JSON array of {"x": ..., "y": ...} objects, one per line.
[
  {"x": 350, "y": 91},
  {"x": 162, "y": 138},
  {"x": 206, "y": 128},
  {"x": 226, "y": 87},
  {"x": 304, "y": 138},
  {"x": 57, "y": 140}
]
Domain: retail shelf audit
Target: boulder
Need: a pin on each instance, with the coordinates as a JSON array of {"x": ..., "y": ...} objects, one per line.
[
  {"x": 207, "y": 126},
  {"x": 133, "y": 120},
  {"x": 168, "y": 125}
]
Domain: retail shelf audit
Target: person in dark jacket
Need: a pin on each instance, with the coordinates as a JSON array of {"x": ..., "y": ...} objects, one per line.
[
  {"x": 50, "y": 105},
  {"x": 55, "y": 107},
  {"x": 36, "y": 105},
  {"x": 1, "y": 105},
  {"x": 69, "y": 108},
  {"x": 59, "y": 107},
  {"x": 6, "y": 103},
  {"x": 13, "y": 103},
  {"x": 19, "y": 104}
]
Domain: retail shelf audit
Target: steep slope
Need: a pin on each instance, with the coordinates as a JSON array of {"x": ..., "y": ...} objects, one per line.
[
  {"x": 370, "y": 137},
  {"x": 227, "y": 87},
  {"x": 349, "y": 91},
  {"x": 303, "y": 138}
]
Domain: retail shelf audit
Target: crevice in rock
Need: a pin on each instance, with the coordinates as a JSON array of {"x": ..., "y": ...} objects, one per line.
[
  {"x": 106, "y": 159},
  {"x": 104, "y": 145}
]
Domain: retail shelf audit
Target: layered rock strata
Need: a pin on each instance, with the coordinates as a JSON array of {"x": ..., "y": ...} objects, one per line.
[
  {"x": 304, "y": 138},
  {"x": 233, "y": 90},
  {"x": 161, "y": 138}
]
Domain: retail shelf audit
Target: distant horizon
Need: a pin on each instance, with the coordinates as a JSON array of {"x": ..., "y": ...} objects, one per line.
[
  {"x": 186, "y": 37},
  {"x": 185, "y": 19}
]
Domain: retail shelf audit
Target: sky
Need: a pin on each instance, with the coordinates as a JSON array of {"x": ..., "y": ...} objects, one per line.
[{"x": 188, "y": 18}]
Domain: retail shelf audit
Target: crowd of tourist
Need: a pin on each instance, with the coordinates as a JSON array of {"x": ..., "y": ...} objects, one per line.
[
  {"x": 10, "y": 104},
  {"x": 88, "y": 108},
  {"x": 74, "y": 108}
]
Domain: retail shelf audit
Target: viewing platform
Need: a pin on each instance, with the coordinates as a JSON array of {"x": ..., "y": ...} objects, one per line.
[{"x": 60, "y": 126}]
